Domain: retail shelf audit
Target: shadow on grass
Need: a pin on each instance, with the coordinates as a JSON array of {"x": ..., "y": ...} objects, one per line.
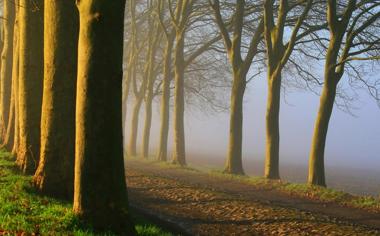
[{"x": 26, "y": 211}]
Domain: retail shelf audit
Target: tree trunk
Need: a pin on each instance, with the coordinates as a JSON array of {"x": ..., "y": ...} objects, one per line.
[
  {"x": 149, "y": 94},
  {"x": 147, "y": 123},
  {"x": 234, "y": 154},
  {"x": 272, "y": 127},
  {"x": 9, "y": 134},
  {"x": 179, "y": 153},
  {"x": 6, "y": 65},
  {"x": 316, "y": 160},
  {"x": 55, "y": 172},
  {"x": 165, "y": 101},
  {"x": 30, "y": 83},
  {"x": 125, "y": 96},
  {"x": 15, "y": 78},
  {"x": 100, "y": 193},
  {"x": 132, "y": 150}
]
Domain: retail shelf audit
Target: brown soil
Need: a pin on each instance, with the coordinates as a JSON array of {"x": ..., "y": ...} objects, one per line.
[{"x": 199, "y": 204}]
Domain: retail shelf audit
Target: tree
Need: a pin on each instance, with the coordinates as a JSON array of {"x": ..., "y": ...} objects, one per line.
[
  {"x": 240, "y": 68},
  {"x": 15, "y": 78},
  {"x": 180, "y": 19},
  {"x": 166, "y": 80},
  {"x": 100, "y": 193},
  {"x": 351, "y": 38},
  {"x": 155, "y": 34},
  {"x": 55, "y": 172},
  {"x": 278, "y": 55},
  {"x": 30, "y": 83},
  {"x": 6, "y": 66},
  {"x": 133, "y": 67}
]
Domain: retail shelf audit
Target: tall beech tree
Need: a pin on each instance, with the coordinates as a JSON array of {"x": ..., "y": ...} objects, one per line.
[
  {"x": 351, "y": 38},
  {"x": 278, "y": 54},
  {"x": 15, "y": 77},
  {"x": 155, "y": 36},
  {"x": 9, "y": 132},
  {"x": 6, "y": 65},
  {"x": 10, "y": 138},
  {"x": 166, "y": 80},
  {"x": 55, "y": 172},
  {"x": 100, "y": 191},
  {"x": 138, "y": 90},
  {"x": 179, "y": 20},
  {"x": 240, "y": 68},
  {"x": 192, "y": 53},
  {"x": 30, "y": 83}
]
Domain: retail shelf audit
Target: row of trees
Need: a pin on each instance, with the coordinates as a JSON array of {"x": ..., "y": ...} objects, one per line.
[
  {"x": 61, "y": 94},
  {"x": 282, "y": 38},
  {"x": 62, "y": 70}
]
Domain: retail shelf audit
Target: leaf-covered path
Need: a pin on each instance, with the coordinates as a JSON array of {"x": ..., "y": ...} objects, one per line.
[{"x": 201, "y": 204}]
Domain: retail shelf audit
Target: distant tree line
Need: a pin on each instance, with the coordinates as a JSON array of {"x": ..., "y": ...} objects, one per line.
[{"x": 70, "y": 68}]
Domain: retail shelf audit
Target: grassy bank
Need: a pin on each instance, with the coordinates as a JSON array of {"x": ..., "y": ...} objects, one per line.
[{"x": 22, "y": 210}]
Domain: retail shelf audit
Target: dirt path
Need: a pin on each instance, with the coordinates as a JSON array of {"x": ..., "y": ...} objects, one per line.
[{"x": 202, "y": 205}]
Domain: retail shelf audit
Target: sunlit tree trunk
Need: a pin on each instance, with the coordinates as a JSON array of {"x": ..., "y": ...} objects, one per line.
[
  {"x": 326, "y": 104},
  {"x": 234, "y": 155},
  {"x": 240, "y": 67},
  {"x": 273, "y": 126},
  {"x": 100, "y": 193},
  {"x": 55, "y": 172},
  {"x": 6, "y": 65},
  {"x": 15, "y": 78},
  {"x": 316, "y": 161},
  {"x": 30, "y": 82},
  {"x": 342, "y": 36},
  {"x": 278, "y": 53},
  {"x": 165, "y": 100}
]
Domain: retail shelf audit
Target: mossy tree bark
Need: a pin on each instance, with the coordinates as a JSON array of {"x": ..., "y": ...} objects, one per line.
[
  {"x": 100, "y": 193},
  {"x": 55, "y": 172},
  {"x": 30, "y": 83},
  {"x": 6, "y": 65}
]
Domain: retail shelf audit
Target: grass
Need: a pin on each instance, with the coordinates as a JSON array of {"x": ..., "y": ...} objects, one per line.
[
  {"x": 317, "y": 193},
  {"x": 22, "y": 210},
  {"x": 320, "y": 194}
]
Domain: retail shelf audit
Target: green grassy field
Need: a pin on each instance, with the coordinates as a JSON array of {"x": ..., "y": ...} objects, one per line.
[{"x": 22, "y": 210}]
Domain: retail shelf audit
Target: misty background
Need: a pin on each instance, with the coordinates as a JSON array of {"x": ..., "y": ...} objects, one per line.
[{"x": 352, "y": 150}]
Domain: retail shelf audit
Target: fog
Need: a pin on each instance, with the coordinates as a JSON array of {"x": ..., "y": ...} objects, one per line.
[{"x": 352, "y": 149}]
